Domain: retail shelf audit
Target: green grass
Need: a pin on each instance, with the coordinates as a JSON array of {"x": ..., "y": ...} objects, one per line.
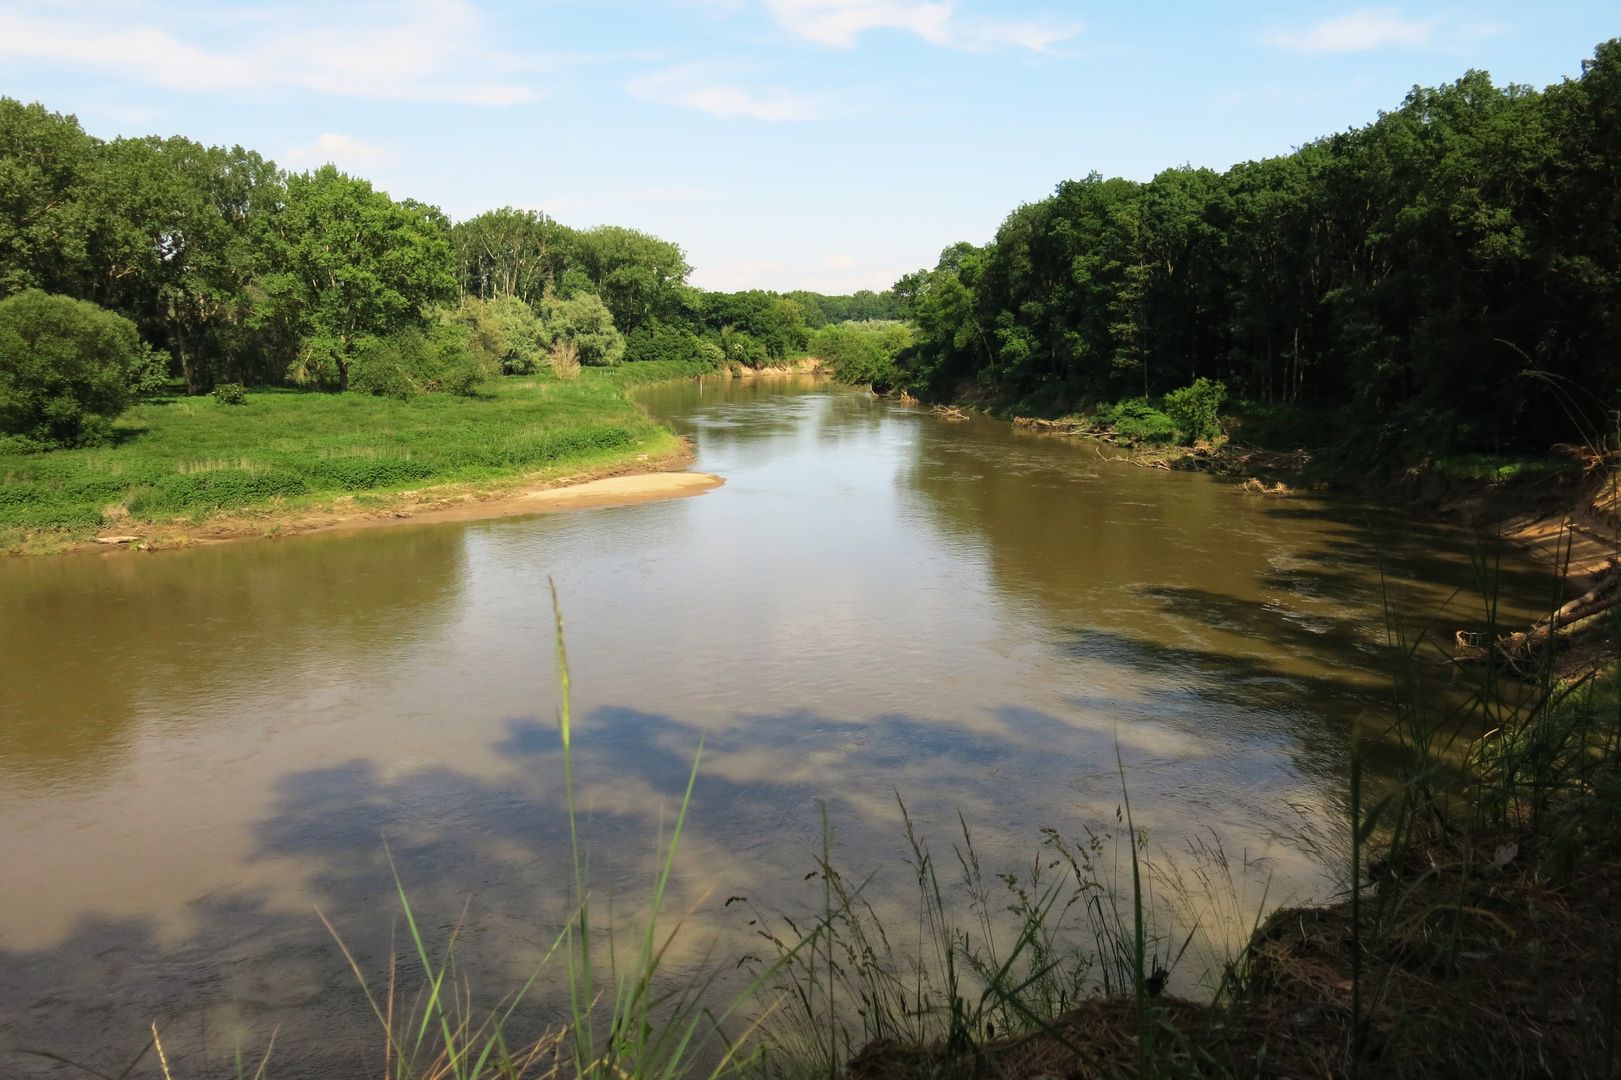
[
  {"x": 190, "y": 458},
  {"x": 645, "y": 372},
  {"x": 1501, "y": 467}
]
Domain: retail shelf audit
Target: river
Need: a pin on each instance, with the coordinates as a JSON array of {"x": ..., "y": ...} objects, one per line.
[{"x": 200, "y": 748}]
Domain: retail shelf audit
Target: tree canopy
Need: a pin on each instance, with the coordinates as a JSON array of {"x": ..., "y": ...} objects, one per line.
[
  {"x": 1411, "y": 271},
  {"x": 351, "y": 263}
]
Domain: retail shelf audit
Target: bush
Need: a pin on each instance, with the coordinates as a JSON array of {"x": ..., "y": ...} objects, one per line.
[
  {"x": 1193, "y": 410},
  {"x": 585, "y": 322},
  {"x": 565, "y": 359},
  {"x": 67, "y": 368},
  {"x": 662, "y": 341},
  {"x": 504, "y": 330},
  {"x": 230, "y": 393},
  {"x": 862, "y": 354},
  {"x": 1136, "y": 419},
  {"x": 739, "y": 347},
  {"x": 437, "y": 359}
]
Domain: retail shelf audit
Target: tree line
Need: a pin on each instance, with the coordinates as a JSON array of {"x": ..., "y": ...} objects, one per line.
[
  {"x": 233, "y": 271},
  {"x": 1449, "y": 275}
]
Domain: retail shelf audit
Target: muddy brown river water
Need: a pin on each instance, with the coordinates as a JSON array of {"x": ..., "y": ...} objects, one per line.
[{"x": 200, "y": 748}]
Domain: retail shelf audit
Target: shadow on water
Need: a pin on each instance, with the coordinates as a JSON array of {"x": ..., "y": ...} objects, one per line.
[{"x": 246, "y": 962}]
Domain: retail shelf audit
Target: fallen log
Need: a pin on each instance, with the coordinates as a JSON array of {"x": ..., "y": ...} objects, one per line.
[{"x": 1522, "y": 652}]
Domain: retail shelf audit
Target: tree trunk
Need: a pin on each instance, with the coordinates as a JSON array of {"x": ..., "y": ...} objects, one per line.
[{"x": 1522, "y": 652}]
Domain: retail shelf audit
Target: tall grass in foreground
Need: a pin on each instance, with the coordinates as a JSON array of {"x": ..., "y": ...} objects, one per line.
[
  {"x": 1502, "y": 793},
  {"x": 937, "y": 987},
  {"x": 623, "y": 1018}
]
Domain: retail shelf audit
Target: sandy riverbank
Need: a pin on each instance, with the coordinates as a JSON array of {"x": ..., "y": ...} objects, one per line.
[{"x": 640, "y": 481}]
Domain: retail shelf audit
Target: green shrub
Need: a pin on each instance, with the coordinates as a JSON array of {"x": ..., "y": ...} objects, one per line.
[
  {"x": 437, "y": 359},
  {"x": 675, "y": 344},
  {"x": 585, "y": 322},
  {"x": 862, "y": 353},
  {"x": 230, "y": 393},
  {"x": 741, "y": 347},
  {"x": 1193, "y": 409},
  {"x": 504, "y": 330},
  {"x": 1136, "y": 419},
  {"x": 67, "y": 367}
]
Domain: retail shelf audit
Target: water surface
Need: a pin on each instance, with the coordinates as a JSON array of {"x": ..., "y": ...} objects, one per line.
[{"x": 199, "y": 748}]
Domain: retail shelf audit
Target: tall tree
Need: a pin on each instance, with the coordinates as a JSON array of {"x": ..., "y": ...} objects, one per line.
[
  {"x": 350, "y": 262},
  {"x": 47, "y": 175},
  {"x": 638, "y": 276},
  {"x": 510, "y": 252},
  {"x": 181, "y": 247}
]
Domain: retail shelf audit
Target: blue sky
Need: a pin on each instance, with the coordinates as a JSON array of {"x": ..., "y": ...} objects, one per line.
[{"x": 825, "y": 144}]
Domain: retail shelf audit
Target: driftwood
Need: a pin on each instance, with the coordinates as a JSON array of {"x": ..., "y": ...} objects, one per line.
[
  {"x": 949, "y": 412},
  {"x": 1063, "y": 427},
  {"x": 1522, "y": 652}
]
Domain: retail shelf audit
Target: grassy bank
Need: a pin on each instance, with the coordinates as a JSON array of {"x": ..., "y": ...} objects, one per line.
[{"x": 182, "y": 462}]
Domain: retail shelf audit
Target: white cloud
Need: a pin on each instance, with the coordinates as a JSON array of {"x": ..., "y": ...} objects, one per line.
[
  {"x": 424, "y": 50},
  {"x": 1372, "y": 28},
  {"x": 840, "y": 24},
  {"x": 713, "y": 88},
  {"x": 337, "y": 149},
  {"x": 840, "y": 262}
]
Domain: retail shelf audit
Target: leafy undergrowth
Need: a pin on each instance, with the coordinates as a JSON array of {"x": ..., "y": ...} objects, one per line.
[{"x": 190, "y": 458}]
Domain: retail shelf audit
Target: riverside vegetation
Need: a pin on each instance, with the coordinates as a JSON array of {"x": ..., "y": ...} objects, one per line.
[
  {"x": 279, "y": 450},
  {"x": 1380, "y": 294},
  {"x": 162, "y": 301},
  {"x": 1405, "y": 274}
]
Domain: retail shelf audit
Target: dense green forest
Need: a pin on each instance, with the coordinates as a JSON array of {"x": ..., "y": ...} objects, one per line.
[
  {"x": 1408, "y": 275},
  {"x": 1447, "y": 277},
  {"x": 234, "y": 272}
]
